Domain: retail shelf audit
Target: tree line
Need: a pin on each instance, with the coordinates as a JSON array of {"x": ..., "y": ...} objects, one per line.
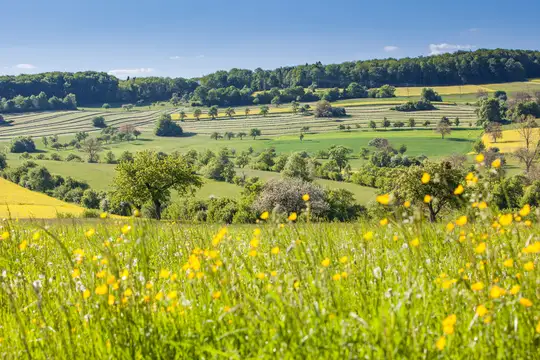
[{"x": 90, "y": 87}]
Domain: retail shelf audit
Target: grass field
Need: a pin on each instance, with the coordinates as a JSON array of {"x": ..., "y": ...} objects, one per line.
[
  {"x": 18, "y": 202},
  {"x": 141, "y": 289},
  {"x": 510, "y": 142}
]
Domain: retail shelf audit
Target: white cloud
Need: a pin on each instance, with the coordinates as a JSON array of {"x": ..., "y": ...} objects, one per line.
[
  {"x": 185, "y": 57},
  {"x": 24, "y": 66},
  {"x": 130, "y": 72},
  {"x": 436, "y": 49},
  {"x": 390, "y": 48}
]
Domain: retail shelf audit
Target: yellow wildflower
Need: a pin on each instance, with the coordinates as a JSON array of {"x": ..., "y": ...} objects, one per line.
[
  {"x": 506, "y": 219},
  {"x": 86, "y": 294},
  {"x": 343, "y": 259},
  {"x": 525, "y": 302},
  {"x": 496, "y": 292},
  {"x": 425, "y": 178},
  {"x": 481, "y": 310},
  {"x": 265, "y": 215},
  {"x": 515, "y": 289},
  {"x": 407, "y": 204},
  {"x": 525, "y": 210},
  {"x": 76, "y": 273},
  {"x": 216, "y": 295},
  {"x": 260, "y": 276},
  {"x": 383, "y": 222},
  {"x": 275, "y": 250},
  {"x": 254, "y": 243},
  {"x": 292, "y": 217},
  {"x": 164, "y": 274},
  {"x": 414, "y": 242},
  {"x": 5, "y": 235},
  {"x": 336, "y": 277},
  {"x": 305, "y": 197},
  {"x": 481, "y": 248},
  {"x": 125, "y": 229},
  {"x": 528, "y": 266},
  {"x": 508, "y": 263},
  {"x": 479, "y": 158},
  {"x": 450, "y": 226},
  {"x": 111, "y": 299},
  {"x": 23, "y": 245},
  {"x": 102, "y": 289},
  {"x": 383, "y": 199},
  {"x": 533, "y": 248},
  {"x": 90, "y": 232},
  {"x": 459, "y": 190},
  {"x": 427, "y": 199},
  {"x": 461, "y": 221},
  {"x": 441, "y": 343},
  {"x": 496, "y": 163},
  {"x": 103, "y": 215},
  {"x": 477, "y": 286},
  {"x": 368, "y": 235},
  {"x": 325, "y": 262}
]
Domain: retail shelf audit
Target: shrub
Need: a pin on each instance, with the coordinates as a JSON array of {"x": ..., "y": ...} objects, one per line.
[
  {"x": 56, "y": 157},
  {"x": 415, "y": 106},
  {"x": 3, "y": 161},
  {"x": 73, "y": 157},
  {"x": 428, "y": 94},
  {"x": 22, "y": 144},
  {"x": 90, "y": 214},
  {"x": 90, "y": 199},
  {"x": 166, "y": 127},
  {"x": 99, "y": 122}
]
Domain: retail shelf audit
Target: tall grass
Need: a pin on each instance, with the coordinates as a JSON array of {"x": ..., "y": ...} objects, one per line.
[{"x": 139, "y": 289}]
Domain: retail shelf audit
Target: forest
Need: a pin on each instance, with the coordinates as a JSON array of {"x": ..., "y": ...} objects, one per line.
[{"x": 90, "y": 87}]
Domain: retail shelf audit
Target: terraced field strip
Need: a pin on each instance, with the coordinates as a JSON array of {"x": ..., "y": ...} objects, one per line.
[
  {"x": 70, "y": 122},
  {"x": 292, "y": 124}
]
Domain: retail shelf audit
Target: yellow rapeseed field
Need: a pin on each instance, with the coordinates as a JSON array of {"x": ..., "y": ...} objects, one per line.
[
  {"x": 18, "y": 202},
  {"x": 511, "y": 141}
]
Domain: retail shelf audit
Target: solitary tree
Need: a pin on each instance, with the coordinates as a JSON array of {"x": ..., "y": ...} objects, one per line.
[
  {"x": 385, "y": 123},
  {"x": 106, "y": 106},
  {"x": 254, "y": 133},
  {"x": 175, "y": 100},
  {"x": 443, "y": 128},
  {"x": 150, "y": 177},
  {"x": 230, "y": 112},
  {"x": 241, "y": 135},
  {"x": 246, "y": 112},
  {"x": 494, "y": 130},
  {"x": 182, "y": 115},
  {"x": 229, "y": 135},
  {"x": 456, "y": 121},
  {"x": 276, "y": 101},
  {"x": 264, "y": 110},
  {"x": 213, "y": 112},
  {"x": 197, "y": 113},
  {"x": 412, "y": 122},
  {"x": 372, "y": 124},
  {"x": 214, "y": 136},
  {"x": 295, "y": 106},
  {"x": 92, "y": 147}
]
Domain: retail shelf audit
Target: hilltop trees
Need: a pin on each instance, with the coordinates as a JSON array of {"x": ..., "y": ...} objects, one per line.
[
  {"x": 22, "y": 145},
  {"x": 489, "y": 110},
  {"x": 166, "y": 127},
  {"x": 264, "y": 110},
  {"x": 99, "y": 122},
  {"x": 428, "y": 94},
  {"x": 150, "y": 178},
  {"x": 254, "y": 133},
  {"x": 197, "y": 114}
]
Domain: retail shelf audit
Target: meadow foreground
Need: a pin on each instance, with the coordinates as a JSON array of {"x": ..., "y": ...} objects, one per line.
[{"x": 400, "y": 288}]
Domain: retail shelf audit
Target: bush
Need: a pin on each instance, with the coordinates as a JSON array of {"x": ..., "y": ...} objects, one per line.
[
  {"x": 428, "y": 94},
  {"x": 90, "y": 199},
  {"x": 22, "y": 144},
  {"x": 90, "y": 214},
  {"x": 415, "y": 106},
  {"x": 56, "y": 157},
  {"x": 99, "y": 122},
  {"x": 73, "y": 157},
  {"x": 166, "y": 127},
  {"x": 3, "y": 161}
]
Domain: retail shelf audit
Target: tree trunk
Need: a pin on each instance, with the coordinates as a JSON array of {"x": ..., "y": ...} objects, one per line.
[{"x": 157, "y": 209}]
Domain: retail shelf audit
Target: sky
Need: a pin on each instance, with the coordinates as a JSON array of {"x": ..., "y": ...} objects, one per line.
[{"x": 193, "y": 38}]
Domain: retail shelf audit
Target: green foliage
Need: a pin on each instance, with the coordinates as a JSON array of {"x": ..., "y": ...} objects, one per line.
[
  {"x": 150, "y": 179},
  {"x": 421, "y": 105},
  {"x": 298, "y": 166},
  {"x": 99, "y": 122},
  {"x": 166, "y": 127},
  {"x": 90, "y": 199},
  {"x": 428, "y": 94},
  {"x": 22, "y": 144},
  {"x": 508, "y": 192},
  {"x": 489, "y": 110}
]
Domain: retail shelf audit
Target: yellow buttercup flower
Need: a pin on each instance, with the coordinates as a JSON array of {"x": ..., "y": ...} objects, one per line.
[
  {"x": 461, "y": 221},
  {"x": 305, "y": 197},
  {"x": 86, "y": 294},
  {"x": 102, "y": 289},
  {"x": 459, "y": 190},
  {"x": 414, "y": 242},
  {"x": 292, "y": 217},
  {"x": 336, "y": 277},
  {"x": 496, "y": 163},
  {"x": 407, "y": 204},
  {"x": 343, "y": 259},
  {"x": 254, "y": 243},
  {"x": 441, "y": 343},
  {"x": 265, "y": 215},
  {"x": 111, "y": 299},
  {"x": 164, "y": 274},
  {"x": 525, "y": 210},
  {"x": 427, "y": 199},
  {"x": 90, "y": 232},
  {"x": 368, "y": 235},
  {"x": 481, "y": 310},
  {"x": 506, "y": 219},
  {"x": 383, "y": 222},
  {"x": 529, "y": 266},
  {"x": 425, "y": 178},
  {"x": 103, "y": 215},
  {"x": 496, "y": 292},
  {"x": 125, "y": 229},
  {"x": 325, "y": 262},
  {"x": 508, "y": 263},
  {"x": 477, "y": 286},
  {"x": 383, "y": 199},
  {"x": 260, "y": 276},
  {"x": 533, "y": 248},
  {"x": 525, "y": 302},
  {"x": 23, "y": 245},
  {"x": 481, "y": 248},
  {"x": 5, "y": 235},
  {"x": 450, "y": 226},
  {"x": 216, "y": 295},
  {"x": 479, "y": 158},
  {"x": 76, "y": 273},
  {"x": 275, "y": 250},
  {"x": 515, "y": 289},
  {"x": 482, "y": 205}
]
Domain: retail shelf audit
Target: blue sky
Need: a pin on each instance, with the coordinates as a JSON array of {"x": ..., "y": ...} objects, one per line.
[{"x": 189, "y": 39}]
